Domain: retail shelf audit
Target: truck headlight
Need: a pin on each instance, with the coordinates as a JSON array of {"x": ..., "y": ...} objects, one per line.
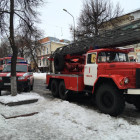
[
  {"x": 126, "y": 80},
  {"x": 21, "y": 78}
]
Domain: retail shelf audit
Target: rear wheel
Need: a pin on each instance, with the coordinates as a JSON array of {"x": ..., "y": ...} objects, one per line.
[
  {"x": 54, "y": 88},
  {"x": 62, "y": 91},
  {"x": 137, "y": 103},
  {"x": 109, "y": 100}
]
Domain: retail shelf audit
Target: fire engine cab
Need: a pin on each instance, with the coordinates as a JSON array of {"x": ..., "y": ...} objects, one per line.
[{"x": 106, "y": 74}]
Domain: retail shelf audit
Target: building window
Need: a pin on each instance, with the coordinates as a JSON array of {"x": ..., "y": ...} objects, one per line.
[
  {"x": 43, "y": 61},
  {"x": 43, "y": 50}
]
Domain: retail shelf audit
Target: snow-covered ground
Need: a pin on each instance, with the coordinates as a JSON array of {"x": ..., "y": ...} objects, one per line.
[
  {"x": 62, "y": 120},
  {"x": 39, "y": 75}
]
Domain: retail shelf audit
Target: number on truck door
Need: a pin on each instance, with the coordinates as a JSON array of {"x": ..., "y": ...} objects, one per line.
[{"x": 90, "y": 71}]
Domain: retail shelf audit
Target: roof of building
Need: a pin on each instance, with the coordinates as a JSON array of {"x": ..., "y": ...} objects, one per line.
[
  {"x": 46, "y": 39},
  {"x": 138, "y": 10},
  {"x": 53, "y": 39}
]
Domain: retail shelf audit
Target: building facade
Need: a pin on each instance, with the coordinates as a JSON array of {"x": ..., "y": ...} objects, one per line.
[
  {"x": 125, "y": 19},
  {"x": 122, "y": 20}
]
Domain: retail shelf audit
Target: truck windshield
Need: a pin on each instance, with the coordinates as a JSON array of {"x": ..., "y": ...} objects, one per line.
[
  {"x": 112, "y": 57},
  {"x": 19, "y": 68}
]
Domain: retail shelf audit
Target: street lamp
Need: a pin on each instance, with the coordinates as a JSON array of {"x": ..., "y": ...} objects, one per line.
[{"x": 73, "y": 21}]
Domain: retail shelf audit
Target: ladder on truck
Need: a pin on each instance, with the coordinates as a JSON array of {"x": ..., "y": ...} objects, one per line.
[{"x": 121, "y": 36}]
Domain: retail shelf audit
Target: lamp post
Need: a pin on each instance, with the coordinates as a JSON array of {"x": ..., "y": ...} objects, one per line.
[{"x": 73, "y": 21}]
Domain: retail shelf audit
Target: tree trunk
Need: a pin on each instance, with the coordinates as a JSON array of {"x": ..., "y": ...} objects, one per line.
[
  {"x": 36, "y": 65},
  {"x": 15, "y": 51}
]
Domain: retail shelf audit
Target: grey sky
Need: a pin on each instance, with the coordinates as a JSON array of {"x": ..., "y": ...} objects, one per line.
[{"x": 56, "y": 22}]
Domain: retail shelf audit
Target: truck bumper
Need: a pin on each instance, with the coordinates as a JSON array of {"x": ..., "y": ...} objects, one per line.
[
  {"x": 133, "y": 91},
  {"x": 20, "y": 85}
]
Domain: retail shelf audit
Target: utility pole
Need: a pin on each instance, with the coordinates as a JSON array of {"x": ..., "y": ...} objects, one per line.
[{"x": 73, "y": 21}]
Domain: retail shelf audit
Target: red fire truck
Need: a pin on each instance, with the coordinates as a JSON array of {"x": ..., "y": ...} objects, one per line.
[
  {"x": 25, "y": 79},
  {"x": 105, "y": 73}
]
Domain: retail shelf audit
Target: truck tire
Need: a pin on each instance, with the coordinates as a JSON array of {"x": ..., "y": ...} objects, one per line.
[
  {"x": 21, "y": 89},
  {"x": 28, "y": 88},
  {"x": 62, "y": 91},
  {"x": 54, "y": 88},
  {"x": 32, "y": 86},
  {"x": 59, "y": 62},
  {"x": 109, "y": 100},
  {"x": 137, "y": 103}
]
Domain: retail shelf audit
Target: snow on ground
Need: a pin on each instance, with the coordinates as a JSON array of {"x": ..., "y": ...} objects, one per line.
[
  {"x": 6, "y": 111},
  {"x": 19, "y": 97},
  {"x": 62, "y": 120},
  {"x": 39, "y": 75}
]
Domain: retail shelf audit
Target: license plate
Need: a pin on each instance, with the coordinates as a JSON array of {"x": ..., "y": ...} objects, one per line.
[{"x": 7, "y": 84}]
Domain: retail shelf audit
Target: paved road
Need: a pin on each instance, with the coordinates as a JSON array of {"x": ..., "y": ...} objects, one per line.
[
  {"x": 130, "y": 114},
  {"x": 40, "y": 86}
]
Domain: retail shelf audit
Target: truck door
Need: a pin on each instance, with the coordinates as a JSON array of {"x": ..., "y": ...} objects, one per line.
[{"x": 90, "y": 70}]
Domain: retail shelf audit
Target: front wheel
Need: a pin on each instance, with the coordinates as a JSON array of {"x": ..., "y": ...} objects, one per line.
[
  {"x": 28, "y": 88},
  {"x": 32, "y": 86},
  {"x": 109, "y": 100}
]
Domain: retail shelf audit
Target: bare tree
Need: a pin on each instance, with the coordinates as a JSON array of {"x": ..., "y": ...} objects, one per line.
[
  {"x": 5, "y": 49},
  {"x": 28, "y": 45},
  {"x": 32, "y": 45},
  {"x": 23, "y": 14},
  {"x": 94, "y": 15}
]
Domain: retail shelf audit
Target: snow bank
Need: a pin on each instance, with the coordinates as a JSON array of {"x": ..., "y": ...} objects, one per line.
[
  {"x": 39, "y": 75},
  {"x": 19, "y": 97},
  {"x": 61, "y": 120}
]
